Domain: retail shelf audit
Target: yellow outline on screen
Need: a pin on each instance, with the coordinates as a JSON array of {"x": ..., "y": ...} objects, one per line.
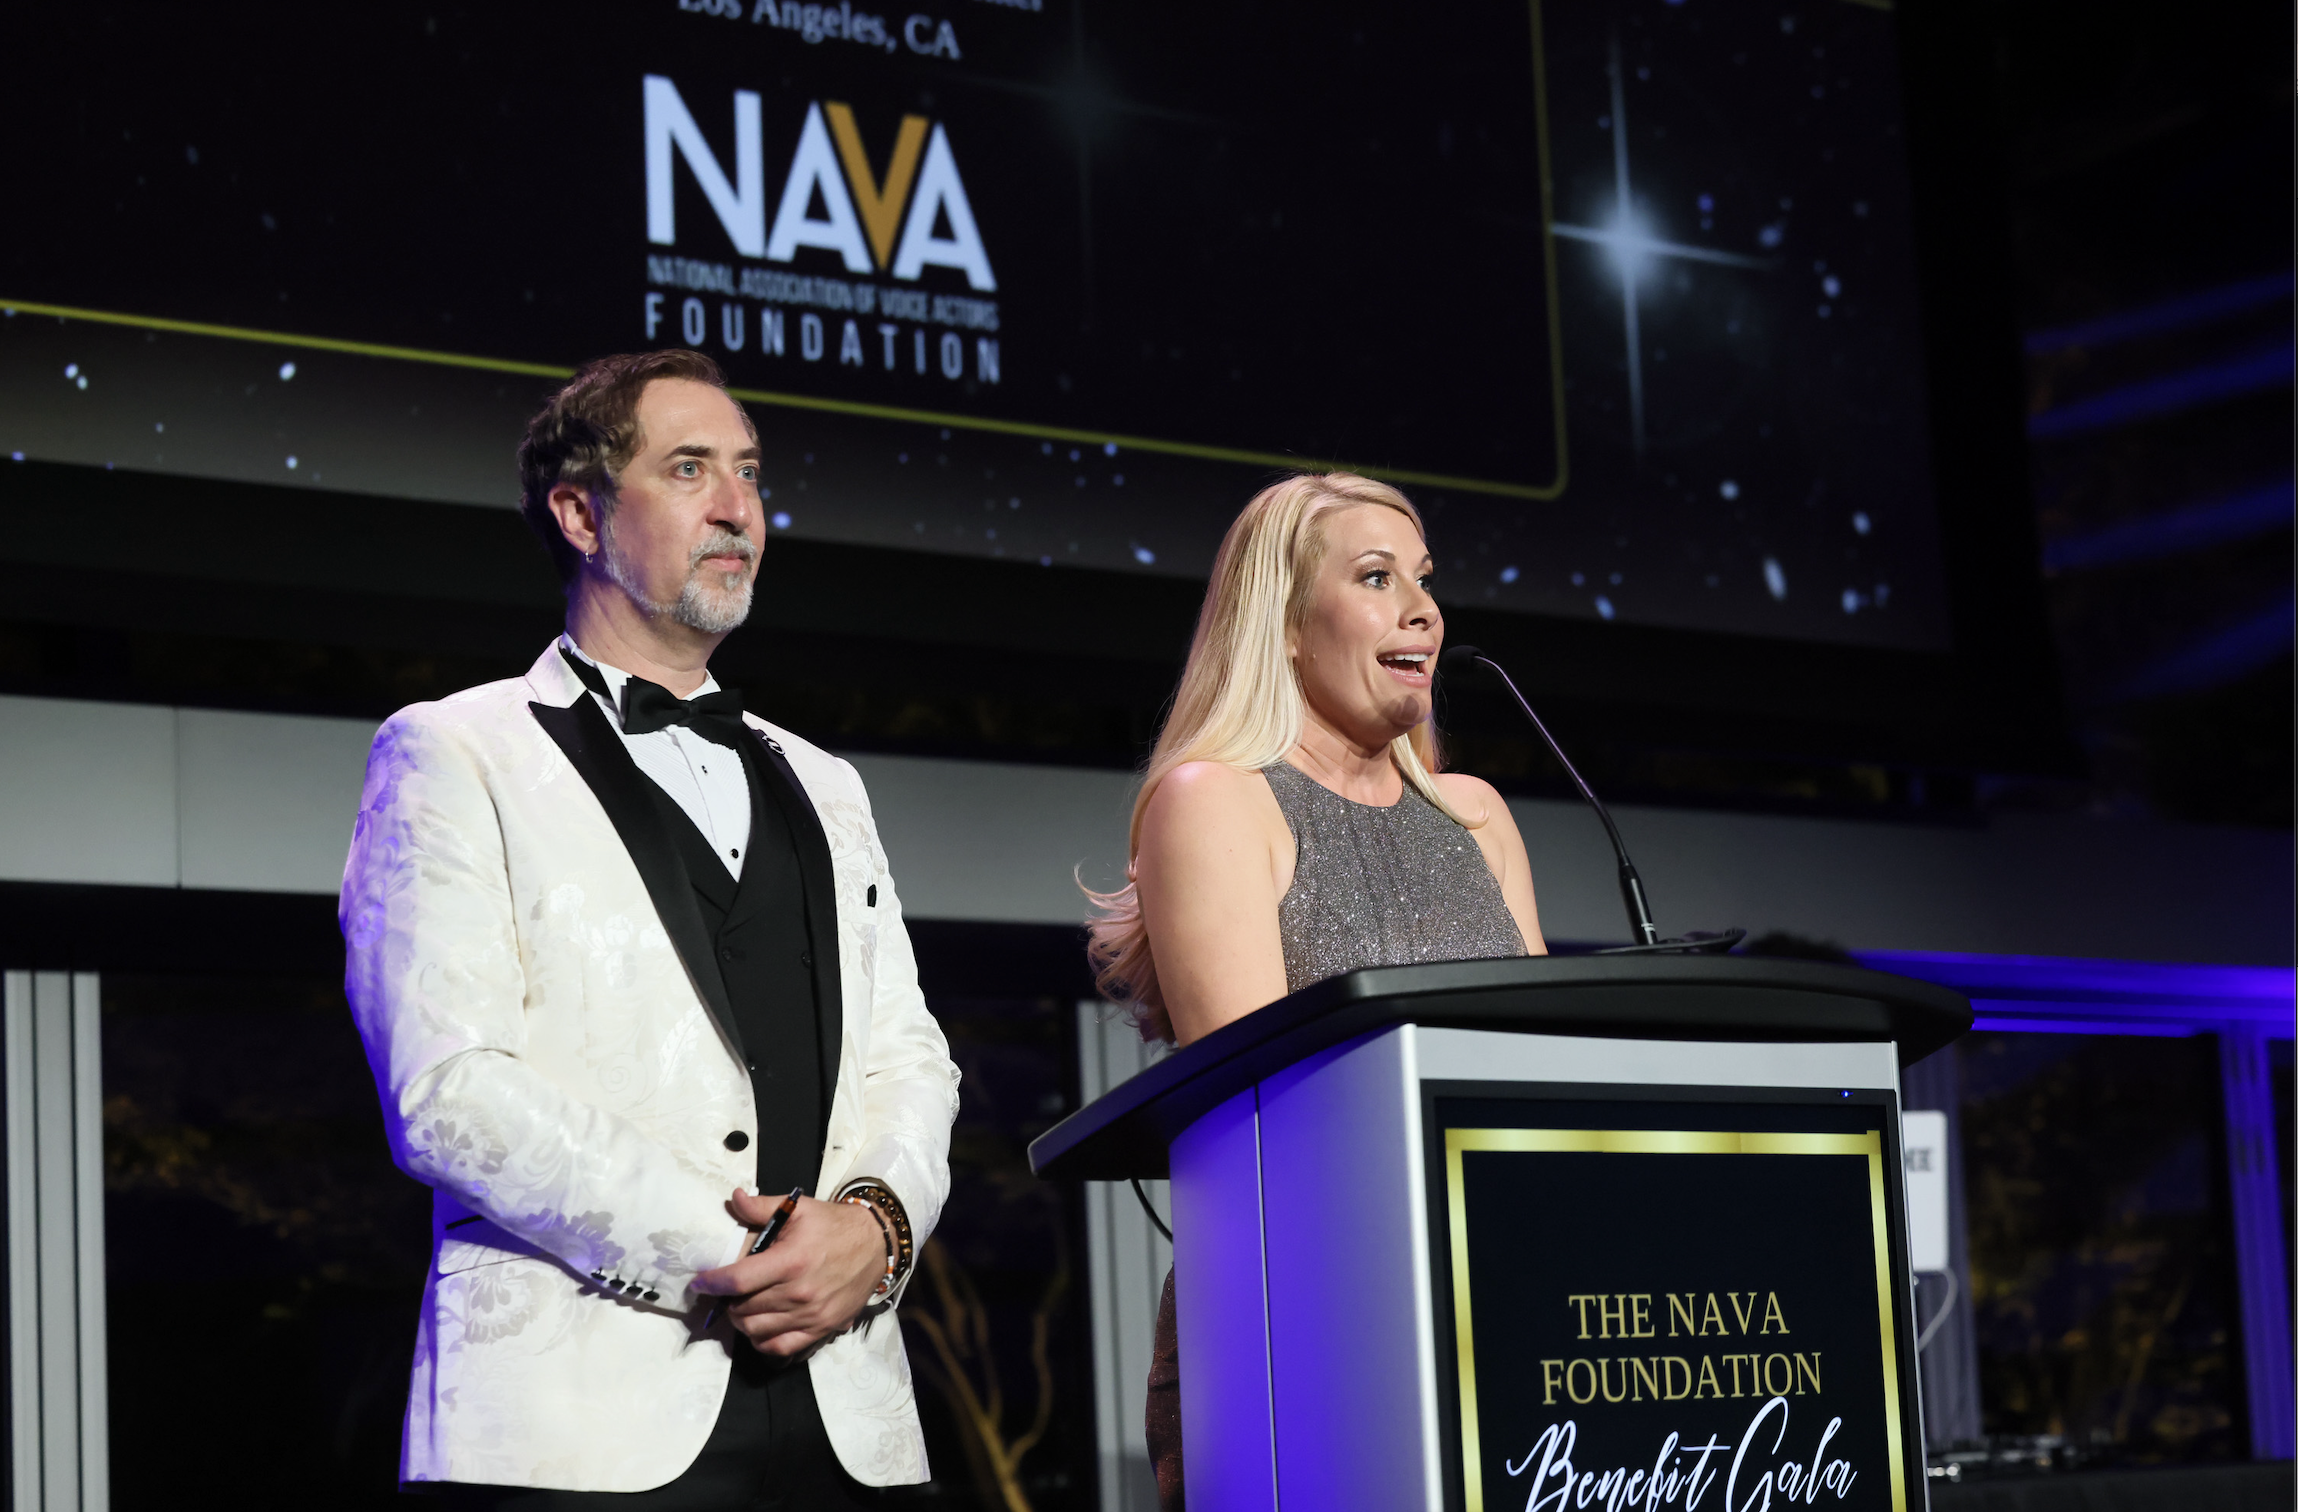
[
  {"x": 853, "y": 407},
  {"x": 1659, "y": 1142}
]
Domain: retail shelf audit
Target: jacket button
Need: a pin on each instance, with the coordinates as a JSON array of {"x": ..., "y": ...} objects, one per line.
[
  {"x": 805, "y": 960},
  {"x": 738, "y": 1140},
  {"x": 726, "y": 952}
]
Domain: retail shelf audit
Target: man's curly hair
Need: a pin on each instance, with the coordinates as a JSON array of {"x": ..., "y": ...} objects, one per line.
[{"x": 587, "y": 434}]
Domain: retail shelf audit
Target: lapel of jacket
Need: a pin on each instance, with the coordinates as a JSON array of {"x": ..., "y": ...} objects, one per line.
[
  {"x": 594, "y": 749},
  {"x": 770, "y": 771},
  {"x": 709, "y": 875}
]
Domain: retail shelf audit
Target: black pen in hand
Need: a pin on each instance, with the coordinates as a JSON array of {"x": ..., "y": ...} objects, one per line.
[{"x": 766, "y": 1236}]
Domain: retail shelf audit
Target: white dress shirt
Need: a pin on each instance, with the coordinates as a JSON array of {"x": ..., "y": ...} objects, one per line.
[{"x": 701, "y": 776}]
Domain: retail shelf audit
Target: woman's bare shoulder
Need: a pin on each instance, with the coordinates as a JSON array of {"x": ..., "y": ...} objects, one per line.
[
  {"x": 1212, "y": 782},
  {"x": 1198, "y": 794},
  {"x": 1472, "y": 798}
]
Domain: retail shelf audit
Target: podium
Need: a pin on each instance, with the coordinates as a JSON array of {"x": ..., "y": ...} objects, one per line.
[{"x": 1547, "y": 1233}]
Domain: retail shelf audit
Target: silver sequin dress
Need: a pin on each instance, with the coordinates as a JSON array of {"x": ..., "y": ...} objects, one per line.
[
  {"x": 1382, "y": 886},
  {"x": 1371, "y": 887}
]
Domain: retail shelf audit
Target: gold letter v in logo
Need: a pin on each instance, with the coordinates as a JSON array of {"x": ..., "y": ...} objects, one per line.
[{"x": 881, "y": 209}]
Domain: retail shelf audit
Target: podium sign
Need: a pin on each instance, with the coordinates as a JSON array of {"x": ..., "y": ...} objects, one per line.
[
  {"x": 1552, "y": 1234},
  {"x": 1670, "y": 1304}
]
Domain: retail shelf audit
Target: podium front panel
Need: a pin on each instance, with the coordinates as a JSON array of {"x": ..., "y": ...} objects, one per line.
[
  {"x": 1221, "y": 1301},
  {"x": 1322, "y": 1303},
  {"x": 1698, "y": 1291}
]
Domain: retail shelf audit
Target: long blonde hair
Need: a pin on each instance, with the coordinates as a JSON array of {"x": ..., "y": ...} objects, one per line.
[{"x": 1239, "y": 702}]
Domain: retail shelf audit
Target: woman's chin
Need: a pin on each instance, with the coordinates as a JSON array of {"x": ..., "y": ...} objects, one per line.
[
  {"x": 1406, "y": 713},
  {"x": 1375, "y": 723}
]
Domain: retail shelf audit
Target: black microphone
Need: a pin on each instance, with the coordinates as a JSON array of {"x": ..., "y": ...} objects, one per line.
[{"x": 1458, "y": 659}]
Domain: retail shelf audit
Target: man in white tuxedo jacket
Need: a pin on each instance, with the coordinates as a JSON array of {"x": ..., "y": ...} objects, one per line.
[{"x": 630, "y": 966}]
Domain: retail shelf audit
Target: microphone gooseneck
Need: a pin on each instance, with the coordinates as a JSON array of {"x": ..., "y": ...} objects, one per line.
[{"x": 1640, "y": 926}]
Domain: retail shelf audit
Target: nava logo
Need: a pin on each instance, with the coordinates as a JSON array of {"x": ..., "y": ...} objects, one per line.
[{"x": 891, "y": 223}]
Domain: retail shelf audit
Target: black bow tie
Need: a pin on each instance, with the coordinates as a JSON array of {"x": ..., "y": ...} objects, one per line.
[{"x": 648, "y": 707}]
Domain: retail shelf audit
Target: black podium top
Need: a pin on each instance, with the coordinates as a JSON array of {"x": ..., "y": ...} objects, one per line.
[{"x": 1676, "y": 997}]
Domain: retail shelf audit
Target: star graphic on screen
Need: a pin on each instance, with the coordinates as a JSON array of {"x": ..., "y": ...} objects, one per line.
[{"x": 1633, "y": 246}]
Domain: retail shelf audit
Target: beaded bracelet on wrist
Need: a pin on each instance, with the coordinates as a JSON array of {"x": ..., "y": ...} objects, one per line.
[
  {"x": 879, "y": 1201},
  {"x": 885, "y": 1284}
]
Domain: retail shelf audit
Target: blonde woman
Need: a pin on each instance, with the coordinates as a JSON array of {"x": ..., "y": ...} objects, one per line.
[{"x": 1294, "y": 823}]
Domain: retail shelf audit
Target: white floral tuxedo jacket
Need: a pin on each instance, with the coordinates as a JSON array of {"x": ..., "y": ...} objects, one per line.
[{"x": 549, "y": 1063}]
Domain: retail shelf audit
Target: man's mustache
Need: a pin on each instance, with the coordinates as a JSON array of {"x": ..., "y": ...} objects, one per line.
[{"x": 722, "y": 543}]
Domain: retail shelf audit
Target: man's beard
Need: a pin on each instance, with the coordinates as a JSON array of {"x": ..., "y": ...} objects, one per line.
[{"x": 710, "y": 607}]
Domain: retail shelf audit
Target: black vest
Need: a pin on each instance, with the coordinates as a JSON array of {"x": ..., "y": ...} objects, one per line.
[
  {"x": 760, "y": 932},
  {"x": 763, "y": 953}
]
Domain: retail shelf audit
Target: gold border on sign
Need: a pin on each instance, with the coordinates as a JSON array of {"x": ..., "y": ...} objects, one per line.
[{"x": 1659, "y": 1142}]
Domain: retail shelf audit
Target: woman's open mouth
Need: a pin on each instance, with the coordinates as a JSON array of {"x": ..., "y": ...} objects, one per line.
[{"x": 1409, "y": 667}]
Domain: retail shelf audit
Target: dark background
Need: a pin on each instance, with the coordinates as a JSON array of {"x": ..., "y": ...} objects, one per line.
[
  {"x": 1303, "y": 234},
  {"x": 2101, "y": 1267},
  {"x": 2071, "y": 166},
  {"x": 2147, "y": 159}
]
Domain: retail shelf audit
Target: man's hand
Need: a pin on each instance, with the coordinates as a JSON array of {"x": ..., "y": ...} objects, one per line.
[{"x": 812, "y": 1283}]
